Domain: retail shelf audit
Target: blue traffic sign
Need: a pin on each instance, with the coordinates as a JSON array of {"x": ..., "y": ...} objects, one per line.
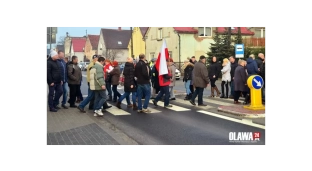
[
  {"x": 239, "y": 50},
  {"x": 257, "y": 82}
]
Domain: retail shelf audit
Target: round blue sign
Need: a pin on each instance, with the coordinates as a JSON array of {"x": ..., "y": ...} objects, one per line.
[{"x": 257, "y": 82}]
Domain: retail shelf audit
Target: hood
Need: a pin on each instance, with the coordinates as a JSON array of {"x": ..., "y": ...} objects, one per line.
[
  {"x": 129, "y": 64},
  {"x": 249, "y": 60}
]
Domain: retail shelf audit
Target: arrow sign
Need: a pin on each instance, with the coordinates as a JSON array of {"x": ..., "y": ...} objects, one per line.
[{"x": 257, "y": 82}]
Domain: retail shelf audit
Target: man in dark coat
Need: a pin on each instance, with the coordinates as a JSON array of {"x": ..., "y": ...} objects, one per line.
[
  {"x": 129, "y": 85},
  {"x": 240, "y": 80},
  {"x": 233, "y": 67},
  {"x": 200, "y": 80},
  {"x": 261, "y": 68},
  {"x": 193, "y": 61},
  {"x": 74, "y": 80},
  {"x": 63, "y": 65},
  {"x": 55, "y": 82},
  {"x": 214, "y": 71}
]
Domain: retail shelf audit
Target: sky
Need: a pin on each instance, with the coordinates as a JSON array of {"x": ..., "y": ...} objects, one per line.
[{"x": 79, "y": 32}]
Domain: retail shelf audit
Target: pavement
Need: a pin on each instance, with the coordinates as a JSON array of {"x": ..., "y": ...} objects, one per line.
[{"x": 183, "y": 124}]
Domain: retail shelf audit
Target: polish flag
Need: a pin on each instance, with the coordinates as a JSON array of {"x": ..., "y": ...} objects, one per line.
[{"x": 161, "y": 63}]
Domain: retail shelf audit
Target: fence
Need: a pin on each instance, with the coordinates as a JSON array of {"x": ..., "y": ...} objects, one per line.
[{"x": 254, "y": 42}]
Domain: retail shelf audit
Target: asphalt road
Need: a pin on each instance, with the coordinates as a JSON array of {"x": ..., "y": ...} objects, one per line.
[{"x": 183, "y": 125}]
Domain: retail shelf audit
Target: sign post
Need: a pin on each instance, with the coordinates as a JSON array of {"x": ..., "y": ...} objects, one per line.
[
  {"x": 239, "y": 51},
  {"x": 255, "y": 83}
]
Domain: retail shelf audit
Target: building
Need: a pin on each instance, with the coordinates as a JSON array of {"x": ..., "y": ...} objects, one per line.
[
  {"x": 138, "y": 41},
  {"x": 75, "y": 46},
  {"x": 91, "y": 46},
  {"x": 113, "y": 44}
]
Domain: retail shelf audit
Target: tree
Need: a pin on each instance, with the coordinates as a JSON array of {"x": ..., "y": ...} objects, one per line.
[
  {"x": 215, "y": 48},
  {"x": 61, "y": 40},
  {"x": 238, "y": 38},
  {"x": 112, "y": 54}
]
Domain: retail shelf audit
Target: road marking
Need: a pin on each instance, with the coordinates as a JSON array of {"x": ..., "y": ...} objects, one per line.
[
  {"x": 115, "y": 111},
  {"x": 244, "y": 121},
  {"x": 84, "y": 75},
  {"x": 174, "y": 107},
  {"x": 151, "y": 109},
  {"x": 217, "y": 102},
  {"x": 187, "y": 102}
]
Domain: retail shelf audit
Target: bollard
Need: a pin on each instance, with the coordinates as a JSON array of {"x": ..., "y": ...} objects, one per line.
[{"x": 255, "y": 83}]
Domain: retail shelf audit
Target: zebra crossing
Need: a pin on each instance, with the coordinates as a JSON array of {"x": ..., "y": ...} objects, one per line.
[{"x": 178, "y": 105}]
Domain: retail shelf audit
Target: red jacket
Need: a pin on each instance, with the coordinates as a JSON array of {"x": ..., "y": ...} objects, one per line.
[
  {"x": 164, "y": 80},
  {"x": 105, "y": 68}
]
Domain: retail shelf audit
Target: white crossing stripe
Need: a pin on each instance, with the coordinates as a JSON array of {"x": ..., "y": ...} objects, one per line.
[
  {"x": 151, "y": 109},
  {"x": 115, "y": 111},
  {"x": 217, "y": 102},
  {"x": 174, "y": 107},
  {"x": 187, "y": 102},
  {"x": 246, "y": 122}
]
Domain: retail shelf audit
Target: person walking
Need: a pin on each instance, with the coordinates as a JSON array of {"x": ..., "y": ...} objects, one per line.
[
  {"x": 240, "y": 81},
  {"x": 172, "y": 69},
  {"x": 142, "y": 75},
  {"x": 187, "y": 78},
  {"x": 108, "y": 79},
  {"x": 129, "y": 85},
  {"x": 54, "y": 80},
  {"x": 233, "y": 67},
  {"x": 200, "y": 81},
  {"x": 164, "y": 88},
  {"x": 74, "y": 80},
  {"x": 115, "y": 74},
  {"x": 214, "y": 71},
  {"x": 63, "y": 64},
  {"x": 97, "y": 84},
  {"x": 226, "y": 78}
]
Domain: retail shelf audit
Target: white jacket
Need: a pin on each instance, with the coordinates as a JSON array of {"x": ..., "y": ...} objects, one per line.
[{"x": 226, "y": 72}]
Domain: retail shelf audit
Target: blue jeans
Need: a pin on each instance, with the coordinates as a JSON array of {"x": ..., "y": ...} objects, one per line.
[
  {"x": 88, "y": 99},
  {"x": 108, "y": 86},
  {"x": 65, "y": 90},
  {"x": 163, "y": 90},
  {"x": 198, "y": 91},
  {"x": 232, "y": 88},
  {"x": 57, "y": 88},
  {"x": 187, "y": 87},
  {"x": 126, "y": 95},
  {"x": 100, "y": 98},
  {"x": 146, "y": 89}
]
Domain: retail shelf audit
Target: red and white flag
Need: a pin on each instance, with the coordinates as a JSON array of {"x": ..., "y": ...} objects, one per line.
[{"x": 163, "y": 56}]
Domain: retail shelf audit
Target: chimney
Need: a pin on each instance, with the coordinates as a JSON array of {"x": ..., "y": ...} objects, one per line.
[{"x": 119, "y": 28}]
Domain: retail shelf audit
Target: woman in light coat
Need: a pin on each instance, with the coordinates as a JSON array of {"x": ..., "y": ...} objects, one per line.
[
  {"x": 226, "y": 77},
  {"x": 172, "y": 69}
]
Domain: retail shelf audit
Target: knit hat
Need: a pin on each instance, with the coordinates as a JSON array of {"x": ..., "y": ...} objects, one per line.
[{"x": 53, "y": 53}]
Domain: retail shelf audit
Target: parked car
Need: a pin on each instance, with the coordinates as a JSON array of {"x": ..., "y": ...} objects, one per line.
[
  {"x": 177, "y": 74},
  {"x": 85, "y": 66}
]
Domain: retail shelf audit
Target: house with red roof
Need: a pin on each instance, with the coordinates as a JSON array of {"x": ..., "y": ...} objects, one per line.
[
  {"x": 91, "y": 46},
  {"x": 138, "y": 41},
  {"x": 75, "y": 46},
  {"x": 184, "y": 42},
  {"x": 113, "y": 44}
]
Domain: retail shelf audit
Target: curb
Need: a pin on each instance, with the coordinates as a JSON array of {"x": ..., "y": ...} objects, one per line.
[{"x": 243, "y": 114}]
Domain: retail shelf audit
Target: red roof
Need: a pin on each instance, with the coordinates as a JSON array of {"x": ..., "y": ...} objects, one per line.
[
  {"x": 78, "y": 44},
  {"x": 94, "y": 40},
  {"x": 185, "y": 29},
  {"x": 244, "y": 30}
]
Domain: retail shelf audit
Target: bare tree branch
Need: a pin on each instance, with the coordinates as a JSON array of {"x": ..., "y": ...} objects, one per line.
[
  {"x": 112, "y": 54},
  {"x": 61, "y": 40}
]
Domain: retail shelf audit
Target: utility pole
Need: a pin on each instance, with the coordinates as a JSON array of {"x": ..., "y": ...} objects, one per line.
[
  {"x": 131, "y": 44},
  {"x": 229, "y": 36}
]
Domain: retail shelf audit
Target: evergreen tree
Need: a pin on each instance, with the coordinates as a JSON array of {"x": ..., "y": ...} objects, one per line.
[
  {"x": 215, "y": 47},
  {"x": 238, "y": 38}
]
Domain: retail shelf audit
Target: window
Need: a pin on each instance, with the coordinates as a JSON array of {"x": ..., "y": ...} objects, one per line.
[
  {"x": 119, "y": 43},
  {"x": 170, "y": 54},
  {"x": 159, "y": 34},
  {"x": 258, "y": 33},
  {"x": 101, "y": 46},
  {"x": 152, "y": 55},
  {"x": 204, "y": 31}
]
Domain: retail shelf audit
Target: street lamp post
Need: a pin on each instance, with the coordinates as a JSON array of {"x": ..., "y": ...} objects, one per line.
[{"x": 131, "y": 43}]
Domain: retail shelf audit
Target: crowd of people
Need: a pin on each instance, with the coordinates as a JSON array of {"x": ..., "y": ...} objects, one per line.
[{"x": 103, "y": 77}]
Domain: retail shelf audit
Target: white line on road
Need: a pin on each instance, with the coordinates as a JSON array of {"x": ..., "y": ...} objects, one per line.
[
  {"x": 84, "y": 75},
  {"x": 151, "y": 109},
  {"x": 244, "y": 121},
  {"x": 187, "y": 102},
  {"x": 217, "y": 102},
  {"x": 174, "y": 107},
  {"x": 115, "y": 111}
]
